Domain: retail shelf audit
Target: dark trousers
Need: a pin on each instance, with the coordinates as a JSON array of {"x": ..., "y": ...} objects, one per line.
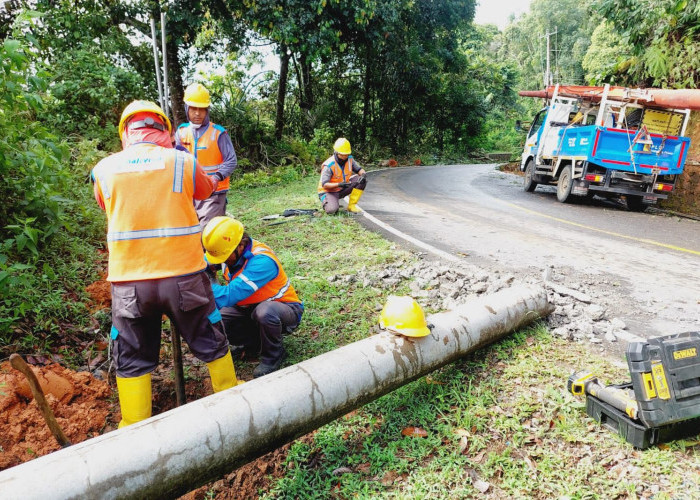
[
  {"x": 212, "y": 207},
  {"x": 259, "y": 327},
  {"x": 137, "y": 314}
]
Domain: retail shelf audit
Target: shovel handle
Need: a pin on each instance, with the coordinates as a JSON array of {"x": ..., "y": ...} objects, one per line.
[{"x": 19, "y": 364}]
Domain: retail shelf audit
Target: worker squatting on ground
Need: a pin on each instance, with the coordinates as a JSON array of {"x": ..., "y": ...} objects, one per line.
[
  {"x": 259, "y": 304},
  {"x": 211, "y": 146},
  {"x": 341, "y": 176},
  {"x": 156, "y": 264}
]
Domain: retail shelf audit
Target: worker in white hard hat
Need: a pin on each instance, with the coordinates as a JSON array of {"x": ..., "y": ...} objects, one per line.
[
  {"x": 212, "y": 148},
  {"x": 341, "y": 176}
]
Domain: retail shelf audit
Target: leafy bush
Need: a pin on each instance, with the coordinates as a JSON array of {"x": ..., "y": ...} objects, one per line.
[{"x": 48, "y": 232}]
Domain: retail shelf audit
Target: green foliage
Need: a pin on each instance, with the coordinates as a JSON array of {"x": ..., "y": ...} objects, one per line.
[
  {"x": 90, "y": 111},
  {"x": 606, "y": 57},
  {"x": 662, "y": 38},
  {"x": 31, "y": 158},
  {"x": 525, "y": 45},
  {"x": 42, "y": 296},
  {"x": 95, "y": 69},
  {"x": 40, "y": 210}
]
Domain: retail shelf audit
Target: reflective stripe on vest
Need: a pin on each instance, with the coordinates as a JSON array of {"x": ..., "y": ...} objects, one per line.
[
  {"x": 153, "y": 233},
  {"x": 338, "y": 173},
  {"x": 179, "y": 172},
  {"x": 153, "y": 229},
  {"x": 279, "y": 288},
  {"x": 205, "y": 150}
]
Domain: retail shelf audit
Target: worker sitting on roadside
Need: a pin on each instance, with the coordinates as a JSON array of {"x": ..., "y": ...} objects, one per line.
[
  {"x": 156, "y": 264},
  {"x": 341, "y": 176},
  {"x": 259, "y": 304},
  {"x": 212, "y": 148}
]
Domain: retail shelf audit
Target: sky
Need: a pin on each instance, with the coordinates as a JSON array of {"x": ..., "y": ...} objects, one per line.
[{"x": 497, "y": 11}]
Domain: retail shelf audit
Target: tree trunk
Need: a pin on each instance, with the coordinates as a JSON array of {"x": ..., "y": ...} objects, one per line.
[
  {"x": 281, "y": 91},
  {"x": 365, "y": 99},
  {"x": 175, "y": 83},
  {"x": 307, "y": 97}
]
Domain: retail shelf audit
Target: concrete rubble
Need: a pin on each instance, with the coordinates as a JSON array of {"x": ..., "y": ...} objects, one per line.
[{"x": 582, "y": 313}]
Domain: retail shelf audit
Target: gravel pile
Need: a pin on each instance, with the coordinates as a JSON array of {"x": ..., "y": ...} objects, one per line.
[{"x": 579, "y": 314}]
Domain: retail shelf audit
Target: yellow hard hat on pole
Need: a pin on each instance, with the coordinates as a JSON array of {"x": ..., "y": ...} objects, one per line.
[
  {"x": 220, "y": 238},
  {"x": 197, "y": 95},
  {"x": 140, "y": 106},
  {"x": 342, "y": 146},
  {"x": 403, "y": 315}
]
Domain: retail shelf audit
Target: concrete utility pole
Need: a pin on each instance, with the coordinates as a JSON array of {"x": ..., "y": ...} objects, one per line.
[
  {"x": 177, "y": 451},
  {"x": 548, "y": 80}
]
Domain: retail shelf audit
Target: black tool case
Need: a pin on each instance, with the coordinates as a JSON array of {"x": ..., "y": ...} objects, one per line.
[
  {"x": 665, "y": 375},
  {"x": 635, "y": 432}
]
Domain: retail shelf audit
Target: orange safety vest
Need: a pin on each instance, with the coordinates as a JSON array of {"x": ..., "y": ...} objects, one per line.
[
  {"x": 153, "y": 231},
  {"x": 205, "y": 149},
  {"x": 338, "y": 174},
  {"x": 278, "y": 288}
]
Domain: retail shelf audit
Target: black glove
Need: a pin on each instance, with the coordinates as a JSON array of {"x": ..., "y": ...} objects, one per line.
[
  {"x": 218, "y": 176},
  {"x": 343, "y": 185}
]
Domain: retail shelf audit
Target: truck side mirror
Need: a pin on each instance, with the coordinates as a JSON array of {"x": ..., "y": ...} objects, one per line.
[{"x": 518, "y": 126}]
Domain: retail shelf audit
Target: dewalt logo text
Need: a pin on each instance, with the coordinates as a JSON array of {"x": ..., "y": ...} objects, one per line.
[{"x": 685, "y": 353}]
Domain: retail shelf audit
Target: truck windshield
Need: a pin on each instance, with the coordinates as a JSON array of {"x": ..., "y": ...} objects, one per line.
[{"x": 537, "y": 122}]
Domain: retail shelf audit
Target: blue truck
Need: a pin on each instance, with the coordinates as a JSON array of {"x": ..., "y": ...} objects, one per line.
[{"x": 610, "y": 144}]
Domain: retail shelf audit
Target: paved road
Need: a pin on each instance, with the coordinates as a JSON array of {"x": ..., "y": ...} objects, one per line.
[{"x": 649, "y": 264}]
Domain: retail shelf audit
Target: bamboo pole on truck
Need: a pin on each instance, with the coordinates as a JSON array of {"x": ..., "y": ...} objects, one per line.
[{"x": 177, "y": 451}]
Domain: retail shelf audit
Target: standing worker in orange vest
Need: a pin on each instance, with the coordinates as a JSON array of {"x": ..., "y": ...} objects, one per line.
[
  {"x": 341, "y": 176},
  {"x": 156, "y": 264},
  {"x": 212, "y": 148},
  {"x": 259, "y": 304}
]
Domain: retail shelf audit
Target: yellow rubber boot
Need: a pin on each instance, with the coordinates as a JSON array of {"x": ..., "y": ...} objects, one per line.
[
  {"x": 222, "y": 373},
  {"x": 134, "y": 398},
  {"x": 354, "y": 197}
]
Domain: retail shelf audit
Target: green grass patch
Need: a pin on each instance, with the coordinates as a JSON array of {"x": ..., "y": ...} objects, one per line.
[
  {"x": 312, "y": 250},
  {"x": 498, "y": 419},
  {"x": 501, "y": 419}
]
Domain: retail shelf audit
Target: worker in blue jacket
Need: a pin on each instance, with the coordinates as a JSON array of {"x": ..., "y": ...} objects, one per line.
[{"x": 258, "y": 304}]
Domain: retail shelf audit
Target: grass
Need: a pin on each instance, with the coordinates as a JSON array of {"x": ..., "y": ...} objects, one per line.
[{"x": 498, "y": 424}]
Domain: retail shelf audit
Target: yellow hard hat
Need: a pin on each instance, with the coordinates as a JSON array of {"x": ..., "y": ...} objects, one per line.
[
  {"x": 197, "y": 95},
  {"x": 403, "y": 315},
  {"x": 220, "y": 238},
  {"x": 342, "y": 146},
  {"x": 142, "y": 107}
]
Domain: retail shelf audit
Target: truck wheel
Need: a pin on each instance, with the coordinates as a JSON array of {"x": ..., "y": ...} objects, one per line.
[
  {"x": 635, "y": 203},
  {"x": 564, "y": 185},
  {"x": 529, "y": 183}
]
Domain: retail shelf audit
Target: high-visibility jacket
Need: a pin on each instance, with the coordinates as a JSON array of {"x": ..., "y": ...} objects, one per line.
[
  {"x": 338, "y": 173},
  {"x": 153, "y": 230},
  {"x": 279, "y": 288},
  {"x": 205, "y": 149}
]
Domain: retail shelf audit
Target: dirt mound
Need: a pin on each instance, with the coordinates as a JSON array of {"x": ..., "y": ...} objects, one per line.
[
  {"x": 100, "y": 293},
  {"x": 79, "y": 401},
  {"x": 250, "y": 479}
]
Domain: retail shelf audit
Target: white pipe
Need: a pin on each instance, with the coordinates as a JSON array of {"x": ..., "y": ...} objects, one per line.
[
  {"x": 155, "y": 59},
  {"x": 166, "y": 90},
  {"x": 179, "y": 450}
]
